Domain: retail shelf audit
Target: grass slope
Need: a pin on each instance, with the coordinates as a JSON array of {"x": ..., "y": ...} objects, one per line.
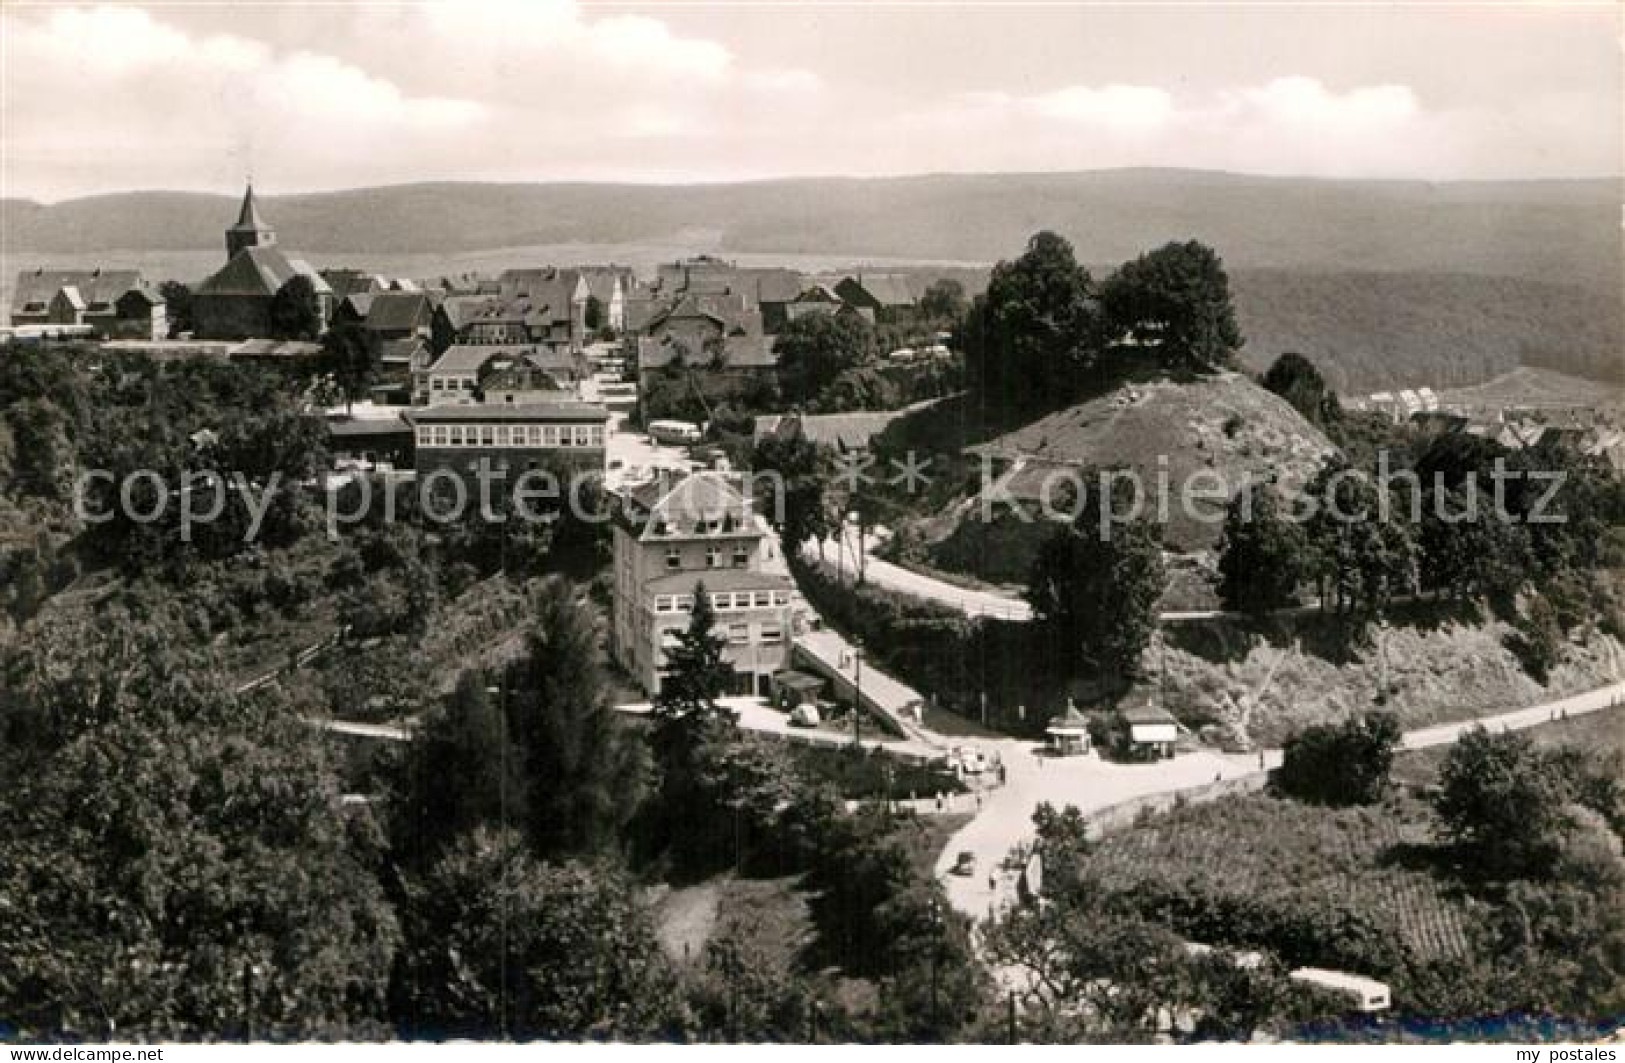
[
  {"x": 1269, "y": 678},
  {"x": 1169, "y": 434}
]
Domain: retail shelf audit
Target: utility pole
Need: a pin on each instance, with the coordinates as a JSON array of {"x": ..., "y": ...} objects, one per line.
[{"x": 857, "y": 692}]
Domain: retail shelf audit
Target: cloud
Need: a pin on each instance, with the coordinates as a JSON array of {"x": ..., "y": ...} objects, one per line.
[{"x": 100, "y": 98}]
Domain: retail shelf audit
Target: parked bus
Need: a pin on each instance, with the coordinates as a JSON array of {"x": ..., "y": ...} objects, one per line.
[{"x": 675, "y": 433}]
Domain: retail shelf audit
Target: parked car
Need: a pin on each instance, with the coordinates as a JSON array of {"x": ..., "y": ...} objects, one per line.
[{"x": 964, "y": 863}]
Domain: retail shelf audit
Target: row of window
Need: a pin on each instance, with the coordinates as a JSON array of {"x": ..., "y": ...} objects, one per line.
[
  {"x": 713, "y": 556},
  {"x": 726, "y": 524},
  {"x": 722, "y": 601},
  {"x": 444, "y": 383},
  {"x": 737, "y": 634},
  {"x": 511, "y": 435}
]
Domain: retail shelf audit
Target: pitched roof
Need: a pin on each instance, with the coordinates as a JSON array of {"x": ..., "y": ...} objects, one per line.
[
  {"x": 70, "y": 292},
  {"x": 398, "y": 311},
  {"x": 466, "y": 358},
  {"x": 95, "y": 286},
  {"x": 601, "y": 281},
  {"x": 886, "y": 289},
  {"x": 563, "y": 410},
  {"x": 683, "y": 506},
  {"x": 259, "y": 271}
]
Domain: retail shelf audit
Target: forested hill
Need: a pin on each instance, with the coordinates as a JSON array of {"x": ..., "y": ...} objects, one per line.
[{"x": 1549, "y": 230}]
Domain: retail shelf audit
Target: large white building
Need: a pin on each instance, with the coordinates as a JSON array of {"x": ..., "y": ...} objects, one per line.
[{"x": 673, "y": 536}]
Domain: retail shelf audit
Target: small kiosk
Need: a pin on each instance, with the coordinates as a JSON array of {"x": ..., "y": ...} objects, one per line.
[{"x": 1068, "y": 732}]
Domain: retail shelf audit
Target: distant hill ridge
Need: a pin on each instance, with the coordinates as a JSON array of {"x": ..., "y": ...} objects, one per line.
[{"x": 1553, "y": 230}]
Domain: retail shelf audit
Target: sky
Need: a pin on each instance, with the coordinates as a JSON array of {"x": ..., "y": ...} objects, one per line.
[{"x": 307, "y": 97}]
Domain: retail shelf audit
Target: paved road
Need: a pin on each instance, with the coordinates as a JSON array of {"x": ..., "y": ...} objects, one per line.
[
  {"x": 895, "y": 577},
  {"x": 1092, "y": 784}
]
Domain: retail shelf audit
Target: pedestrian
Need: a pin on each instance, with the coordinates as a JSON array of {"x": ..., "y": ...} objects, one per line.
[
  {"x": 1260, "y": 760},
  {"x": 992, "y": 882},
  {"x": 939, "y": 800},
  {"x": 978, "y": 800}
]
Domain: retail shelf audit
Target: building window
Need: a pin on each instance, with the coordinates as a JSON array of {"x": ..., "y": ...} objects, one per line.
[
  {"x": 487, "y": 435},
  {"x": 501, "y": 439},
  {"x": 713, "y": 557},
  {"x": 550, "y": 435},
  {"x": 674, "y": 557},
  {"x": 456, "y": 431},
  {"x": 741, "y": 555},
  {"x": 738, "y": 634},
  {"x": 762, "y": 599},
  {"x": 663, "y": 603},
  {"x": 781, "y": 597},
  {"x": 772, "y": 633}
]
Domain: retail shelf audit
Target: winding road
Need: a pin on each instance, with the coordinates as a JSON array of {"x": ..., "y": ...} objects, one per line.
[{"x": 1091, "y": 784}]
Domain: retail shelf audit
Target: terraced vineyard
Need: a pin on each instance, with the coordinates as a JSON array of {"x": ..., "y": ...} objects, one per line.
[{"x": 1317, "y": 885}]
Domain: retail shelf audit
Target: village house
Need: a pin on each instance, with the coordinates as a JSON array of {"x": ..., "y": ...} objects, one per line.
[
  {"x": 111, "y": 303},
  {"x": 888, "y": 296},
  {"x": 235, "y": 302},
  {"x": 559, "y": 436},
  {"x": 672, "y": 537},
  {"x": 468, "y": 373}
]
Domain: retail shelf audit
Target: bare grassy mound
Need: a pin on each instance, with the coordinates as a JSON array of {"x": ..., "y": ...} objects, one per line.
[
  {"x": 1198, "y": 441},
  {"x": 1267, "y": 679}
]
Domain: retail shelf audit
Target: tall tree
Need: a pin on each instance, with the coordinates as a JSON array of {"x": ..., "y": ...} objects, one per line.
[
  {"x": 1295, "y": 379},
  {"x": 586, "y": 770},
  {"x": 943, "y": 301},
  {"x": 462, "y": 770},
  {"x": 351, "y": 356},
  {"x": 296, "y": 313},
  {"x": 1097, "y": 581},
  {"x": 177, "y": 306},
  {"x": 1034, "y": 333},
  {"x": 815, "y": 349},
  {"x": 1263, "y": 555},
  {"x": 1176, "y": 298}
]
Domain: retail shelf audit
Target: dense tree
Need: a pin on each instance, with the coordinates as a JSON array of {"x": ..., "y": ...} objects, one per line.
[
  {"x": 1295, "y": 379},
  {"x": 1097, "y": 582},
  {"x": 1503, "y": 801},
  {"x": 815, "y": 349},
  {"x": 593, "y": 314},
  {"x": 462, "y": 771},
  {"x": 1033, "y": 335},
  {"x": 296, "y": 312},
  {"x": 586, "y": 770},
  {"x": 1176, "y": 298},
  {"x": 498, "y": 945},
  {"x": 177, "y": 306},
  {"x": 170, "y": 879},
  {"x": 943, "y": 301},
  {"x": 1363, "y": 546},
  {"x": 1263, "y": 555},
  {"x": 1467, "y": 547},
  {"x": 1341, "y": 764},
  {"x": 352, "y": 358}
]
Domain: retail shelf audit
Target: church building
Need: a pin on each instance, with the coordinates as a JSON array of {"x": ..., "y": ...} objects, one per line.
[{"x": 235, "y": 303}]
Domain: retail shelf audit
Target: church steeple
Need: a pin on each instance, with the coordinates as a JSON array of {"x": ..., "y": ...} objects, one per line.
[{"x": 251, "y": 230}]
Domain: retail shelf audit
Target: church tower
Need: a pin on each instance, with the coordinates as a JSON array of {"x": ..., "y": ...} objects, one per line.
[{"x": 250, "y": 230}]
